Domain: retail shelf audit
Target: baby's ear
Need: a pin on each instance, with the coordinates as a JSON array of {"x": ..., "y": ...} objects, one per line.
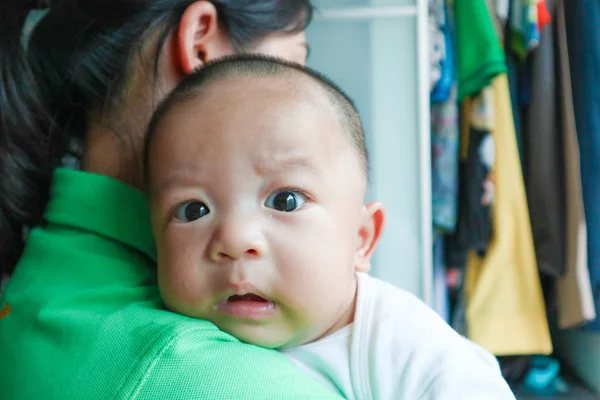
[{"x": 369, "y": 232}]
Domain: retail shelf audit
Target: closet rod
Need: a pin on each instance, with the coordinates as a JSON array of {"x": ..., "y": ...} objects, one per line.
[{"x": 366, "y": 12}]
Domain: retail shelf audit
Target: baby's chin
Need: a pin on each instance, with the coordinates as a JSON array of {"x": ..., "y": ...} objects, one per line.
[
  {"x": 263, "y": 335},
  {"x": 270, "y": 334}
]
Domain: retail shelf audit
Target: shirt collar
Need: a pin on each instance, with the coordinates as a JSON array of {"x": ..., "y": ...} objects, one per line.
[{"x": 101, "y": 205}]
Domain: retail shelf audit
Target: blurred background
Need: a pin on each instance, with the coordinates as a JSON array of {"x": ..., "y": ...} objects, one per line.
[{"x": 483, "y": 124}]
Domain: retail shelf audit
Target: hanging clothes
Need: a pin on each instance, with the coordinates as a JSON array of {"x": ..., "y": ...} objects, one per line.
[
  {"x": 441, "y": 52},
  {"x": 444, "y": 168},
  {"x": 505, "y": 306},
  {"x": 583, "y": 36},
  {"x": 501, "y": 10},
  {"x": 544, "y": 171},
  {"x": 474, "y": 226},
  {"x": 459, "y": 317},
  {"x": 524, "y": 26},
  {"x": 444, "y": 133},
  {"x": 437, "y": 45},
  {"x": 494, "y": 7},
  {"x": 544, "y": 17},
  {"x": 440, "y": 289},
  {"x": 574, "y": 290},
  {"x": 513, "y": 82},
  {"x": 480, "y": 57}
]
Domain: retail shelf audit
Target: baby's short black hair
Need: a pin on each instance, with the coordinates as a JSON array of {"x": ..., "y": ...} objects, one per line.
[{"x": 255, "y": 65}]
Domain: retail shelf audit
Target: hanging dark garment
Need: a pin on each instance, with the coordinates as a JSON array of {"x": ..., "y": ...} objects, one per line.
[
  {"x": 474, "y": 230},
  {"x": 513, "y": 84},
  {"x": 474, "y": 226},
  {"x": 574, "y": 290},
  {"x": 583, "y": 36},
  {"x": 544, "y": 171}
]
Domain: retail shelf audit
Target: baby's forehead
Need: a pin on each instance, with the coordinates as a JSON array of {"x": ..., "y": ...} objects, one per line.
[
  {"x": 278, "y": 112},
  {"x": 280, "y": 142},
  {"x": 287, "y": 113},
  {"x": 286, "y": 99},
  {"x": 290, "y": 88}
]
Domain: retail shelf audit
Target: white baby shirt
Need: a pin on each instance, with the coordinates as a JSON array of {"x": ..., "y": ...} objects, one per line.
[{"x": 399, "y": 348}]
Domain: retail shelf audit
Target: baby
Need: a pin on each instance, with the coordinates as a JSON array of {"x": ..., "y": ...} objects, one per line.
[{"x": 257, "y": 173}]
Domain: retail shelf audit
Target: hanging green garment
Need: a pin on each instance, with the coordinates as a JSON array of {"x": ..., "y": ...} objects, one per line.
[{"x": 480, "y": 57}]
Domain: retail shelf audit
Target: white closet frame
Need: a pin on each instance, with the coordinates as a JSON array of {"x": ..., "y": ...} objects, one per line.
[{"x": 419, "y": 11}]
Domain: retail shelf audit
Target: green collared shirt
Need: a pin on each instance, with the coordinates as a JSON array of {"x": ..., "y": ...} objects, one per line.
[{"x": 83, "y": 318}]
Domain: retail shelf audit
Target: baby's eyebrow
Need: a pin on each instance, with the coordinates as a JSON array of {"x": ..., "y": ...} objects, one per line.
[
  {"x": 287, "y": 163},
  {"x": 173, "y": 181}
]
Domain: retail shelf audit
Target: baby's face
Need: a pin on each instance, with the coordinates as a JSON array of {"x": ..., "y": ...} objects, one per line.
[{"x": 257, "y": 200}]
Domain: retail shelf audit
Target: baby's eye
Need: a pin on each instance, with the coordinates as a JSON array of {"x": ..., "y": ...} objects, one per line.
[
  {"x": 191, "y": 211},
  {"x": 285, "y": 200}
]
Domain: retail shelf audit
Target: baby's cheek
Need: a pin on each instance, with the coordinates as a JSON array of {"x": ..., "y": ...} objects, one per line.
[
  {"x": 184, "y": 296},
  {"x": 180, "y": 282},
  {"x": 179, "y": 256}
]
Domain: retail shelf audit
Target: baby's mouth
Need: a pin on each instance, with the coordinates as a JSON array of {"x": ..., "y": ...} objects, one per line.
[
  {"x": 250, "y": 297},
  {"x": 248, "y": 306}
]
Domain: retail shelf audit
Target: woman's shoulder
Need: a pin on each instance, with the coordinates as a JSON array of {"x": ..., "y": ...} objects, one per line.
[
  {"x": 86, "y": 321},
  {"x": 147, "y": 353},
  {"x": 116, "y": 341}
]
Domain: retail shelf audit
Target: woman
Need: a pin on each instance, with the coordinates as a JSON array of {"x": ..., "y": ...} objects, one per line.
[{"x": 81, "y": 316}]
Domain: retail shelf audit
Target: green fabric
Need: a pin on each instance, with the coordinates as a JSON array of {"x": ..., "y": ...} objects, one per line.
[
  {"x": 87, "y": 322},
  {"x": 480, "y": 57}
]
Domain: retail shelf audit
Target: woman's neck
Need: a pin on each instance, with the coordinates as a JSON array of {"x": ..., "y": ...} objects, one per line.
[
  {"x": 116, "y": 153},
  {"x": 114, "y": 144}
]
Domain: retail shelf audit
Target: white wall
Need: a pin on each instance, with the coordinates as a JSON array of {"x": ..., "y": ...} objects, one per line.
[{"x": 375, "y": 59}]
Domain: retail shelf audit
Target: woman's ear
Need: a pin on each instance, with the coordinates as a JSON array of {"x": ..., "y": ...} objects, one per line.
[
  {"x": 199, "y": 37},
  {"x": 369, "y": 233}
]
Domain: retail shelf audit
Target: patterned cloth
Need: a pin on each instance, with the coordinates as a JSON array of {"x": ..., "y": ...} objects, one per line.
[
  {"x": 527, "y": 19},
  {"x": 437, "y": 43},
  {"x": 444, "y": 157},
  {"x": 442, "y": 54}
]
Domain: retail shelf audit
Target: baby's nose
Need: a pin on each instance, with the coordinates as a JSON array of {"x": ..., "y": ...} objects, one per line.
[{"x": 236, "y": 239}]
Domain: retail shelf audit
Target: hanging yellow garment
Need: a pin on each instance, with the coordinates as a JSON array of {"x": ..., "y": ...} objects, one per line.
[{"x": 505, "y": 306}]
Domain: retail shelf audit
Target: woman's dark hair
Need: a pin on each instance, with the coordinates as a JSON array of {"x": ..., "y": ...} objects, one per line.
[{"x": 76, "y": 61}]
